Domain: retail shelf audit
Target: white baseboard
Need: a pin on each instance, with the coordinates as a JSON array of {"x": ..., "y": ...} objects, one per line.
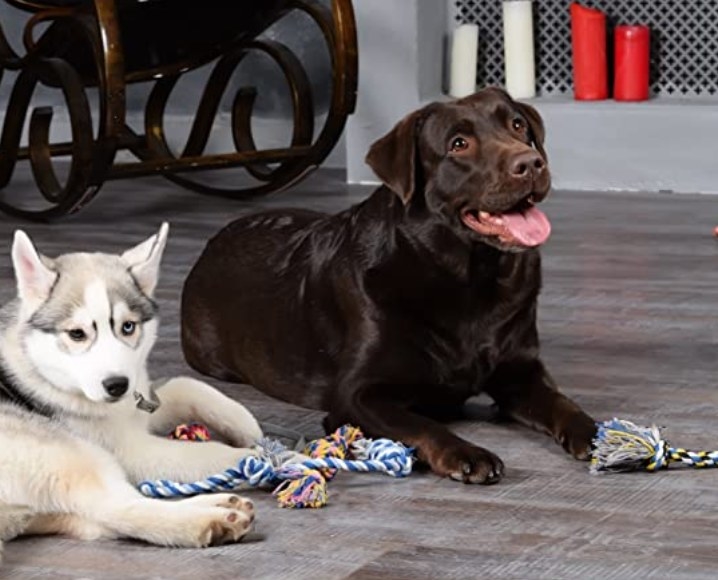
[{"x": 665, "y": 145}]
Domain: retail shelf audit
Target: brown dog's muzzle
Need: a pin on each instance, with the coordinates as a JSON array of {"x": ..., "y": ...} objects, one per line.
[
  {"x": 510, "y": 215},
  {"x": 527, "y": 171},
  {"x": 527, "y": 165}
]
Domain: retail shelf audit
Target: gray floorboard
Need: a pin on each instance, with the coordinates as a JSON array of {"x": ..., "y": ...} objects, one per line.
[{"x": 629, "y": 328}]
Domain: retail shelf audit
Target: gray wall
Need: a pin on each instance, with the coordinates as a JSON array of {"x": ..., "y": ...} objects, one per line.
[
  {"x": 401, "y": 51},
  {"x": 659, "y": 145},
  {"x": 665, "y": 145}
]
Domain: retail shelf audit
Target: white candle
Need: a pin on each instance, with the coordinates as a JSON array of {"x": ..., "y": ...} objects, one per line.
[
  {"x": 519, "y": 48},
  {"x": 464, "y": 50}
]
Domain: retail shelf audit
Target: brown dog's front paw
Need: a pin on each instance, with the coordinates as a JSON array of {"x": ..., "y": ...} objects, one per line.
[
  {"x": 469, "y": 464},
  {"x": 577, "y": 435}
]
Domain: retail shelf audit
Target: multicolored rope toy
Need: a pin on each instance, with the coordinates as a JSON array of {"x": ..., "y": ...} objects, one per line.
[
  {"x": 191, "y": 432},
  {"x": 300, "y": 484},
  {"x": 623, "y": 446}
]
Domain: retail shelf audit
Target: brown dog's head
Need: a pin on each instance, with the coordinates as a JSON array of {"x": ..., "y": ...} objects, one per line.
[{"x": 478, "y": 162}]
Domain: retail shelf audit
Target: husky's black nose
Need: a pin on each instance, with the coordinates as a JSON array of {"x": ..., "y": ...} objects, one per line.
[{"x": 116, "y": 386}]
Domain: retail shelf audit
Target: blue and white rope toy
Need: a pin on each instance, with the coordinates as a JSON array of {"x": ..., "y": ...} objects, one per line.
[
  {"x": 620, "y": 445},
  {"x": 300, "y": 484}
]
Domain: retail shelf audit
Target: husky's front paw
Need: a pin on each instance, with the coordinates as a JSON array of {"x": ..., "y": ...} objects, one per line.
[
  {"x": 233, "y": 501},
  {"x": 13, "y": 520},
  {"x": 227, "y": 519},
  {"x": 229, "y": 527}
]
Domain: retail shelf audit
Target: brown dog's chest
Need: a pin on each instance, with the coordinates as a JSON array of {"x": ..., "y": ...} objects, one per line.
[
  {"x": 458, "y": 331},
  {"x": 464, "y": 355}
]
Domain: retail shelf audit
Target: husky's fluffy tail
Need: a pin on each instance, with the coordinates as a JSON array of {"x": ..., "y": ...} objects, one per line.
[{"x": 13, "y": 520}]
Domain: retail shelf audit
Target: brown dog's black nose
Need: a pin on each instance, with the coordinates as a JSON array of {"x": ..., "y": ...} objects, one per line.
[{"x": 526, "y": 163}]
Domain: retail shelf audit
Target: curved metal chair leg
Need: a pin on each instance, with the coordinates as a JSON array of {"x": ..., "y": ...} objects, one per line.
[
  {"x": 338, "y": 28},
  {"x": 92, "y": 158},
  {"x": 78, "y": 188}
]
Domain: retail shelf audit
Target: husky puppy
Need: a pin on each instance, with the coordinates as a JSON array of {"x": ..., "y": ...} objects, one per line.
[{"x": 79, "y": 415}]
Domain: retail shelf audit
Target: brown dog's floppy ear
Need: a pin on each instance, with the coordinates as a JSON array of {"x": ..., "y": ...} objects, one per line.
[
  {"x": 535, "y": 122},
  {"x": 393, "y": 157}
]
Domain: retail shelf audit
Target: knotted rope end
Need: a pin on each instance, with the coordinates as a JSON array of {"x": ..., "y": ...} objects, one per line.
[{"x": 620, "y": 445}]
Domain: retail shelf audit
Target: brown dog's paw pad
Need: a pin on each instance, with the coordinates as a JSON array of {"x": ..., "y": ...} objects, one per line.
[
  {"x": 577, "y": 437},
  {"x": 470, "y": 464}
]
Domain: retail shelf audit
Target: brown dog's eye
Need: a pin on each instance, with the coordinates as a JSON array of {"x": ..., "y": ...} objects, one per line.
[
  {"x": 459, "y": 144},
  {"x": 518, "y": 124}
]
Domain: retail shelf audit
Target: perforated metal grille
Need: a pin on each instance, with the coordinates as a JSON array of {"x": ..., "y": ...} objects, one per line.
[{"x": 684, "y": 42}]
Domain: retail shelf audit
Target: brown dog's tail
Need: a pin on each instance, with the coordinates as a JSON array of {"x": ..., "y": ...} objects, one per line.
[{"x": 13, "y": 521}]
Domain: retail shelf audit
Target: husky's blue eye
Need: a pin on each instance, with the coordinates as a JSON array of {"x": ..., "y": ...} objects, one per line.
[
  {"x": 128, "y": 328},
  {"x": 76, "y": 334}
]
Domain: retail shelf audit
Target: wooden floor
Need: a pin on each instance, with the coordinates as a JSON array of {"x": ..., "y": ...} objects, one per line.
[{"x": 629, "y": 323}]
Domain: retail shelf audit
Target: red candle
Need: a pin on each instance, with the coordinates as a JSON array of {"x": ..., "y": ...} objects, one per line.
[
  {"x": 588, "y": 39},
  {"x": 632, "y": 57}
]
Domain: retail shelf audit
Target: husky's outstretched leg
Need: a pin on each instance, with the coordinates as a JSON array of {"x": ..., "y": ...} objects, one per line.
[
  {"x": 185, "y": 399},
  {"x": 67, "y": 524},
  {"x": 14, "y": 520},
  {"x": 145, "y": 456},
  {"x": 192, "y": 523},
  {"x": 78, "y": 488}
]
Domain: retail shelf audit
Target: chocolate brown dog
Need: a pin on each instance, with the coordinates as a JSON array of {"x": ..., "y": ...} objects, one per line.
[{"x": 412, "y": 301}]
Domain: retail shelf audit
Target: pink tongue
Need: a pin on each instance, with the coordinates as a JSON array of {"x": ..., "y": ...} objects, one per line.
[{"x": 530, "y": 227}]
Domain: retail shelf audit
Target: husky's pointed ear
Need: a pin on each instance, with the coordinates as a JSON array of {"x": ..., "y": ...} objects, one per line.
[
  {"x": 143, "y": 261},
  {"x": 35, "y": 278}
]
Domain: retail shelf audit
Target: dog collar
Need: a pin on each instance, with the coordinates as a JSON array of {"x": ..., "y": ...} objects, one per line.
[
  {"x": 11, "y": 393},
  {"x": 148, "y": 405}
]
